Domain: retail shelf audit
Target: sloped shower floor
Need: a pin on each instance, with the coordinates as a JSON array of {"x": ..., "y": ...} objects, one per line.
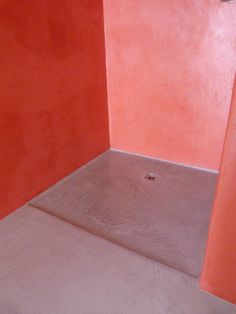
[
  {"x": 165, "y": 218},
  {"x": 48, "y": 266}
]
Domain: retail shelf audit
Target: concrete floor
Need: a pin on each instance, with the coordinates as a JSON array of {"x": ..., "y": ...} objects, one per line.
[
  {"x": 165, "y": 219},
  {"x": 48, "y": 266}
]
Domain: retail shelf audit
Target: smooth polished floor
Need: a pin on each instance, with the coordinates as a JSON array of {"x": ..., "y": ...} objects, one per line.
[
  {"x": 158, "y": 209},
  {"x": 48, "y": 266}
]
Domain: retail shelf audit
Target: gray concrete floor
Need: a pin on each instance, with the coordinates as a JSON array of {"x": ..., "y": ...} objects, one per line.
[
  {"x": 48, "y": 266},
  {"x": 165, "y": 219}
]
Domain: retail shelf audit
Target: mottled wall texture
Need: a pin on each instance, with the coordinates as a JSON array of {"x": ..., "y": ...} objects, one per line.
[
  {"x": 170, "y": 74},
  {"x": 219, "y": 274},
  {"x": 170, "y": 67},
  {"x": 53, "y": 99}
]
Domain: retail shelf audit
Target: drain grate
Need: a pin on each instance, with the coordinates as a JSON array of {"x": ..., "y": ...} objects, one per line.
[{"x": 150, "y": 176}]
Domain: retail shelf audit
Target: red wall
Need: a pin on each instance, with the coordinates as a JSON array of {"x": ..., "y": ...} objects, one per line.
[
  {"x": 219, "y": 274},
  {"x": 52, "y": 93},
  {"x": 170, "y": 70}
]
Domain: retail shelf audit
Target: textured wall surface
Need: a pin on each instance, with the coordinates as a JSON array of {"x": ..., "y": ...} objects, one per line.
[
  {"x": 170, "y": 74},
  {"x": 219, "y": 275},
  {"x": 53, "y": 93}
]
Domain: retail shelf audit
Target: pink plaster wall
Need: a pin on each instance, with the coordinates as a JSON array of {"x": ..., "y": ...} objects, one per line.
[{"x": 170, "y": 71}]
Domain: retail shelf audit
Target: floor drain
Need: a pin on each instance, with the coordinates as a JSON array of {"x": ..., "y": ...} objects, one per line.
[{"x": 150, "y": 176}]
